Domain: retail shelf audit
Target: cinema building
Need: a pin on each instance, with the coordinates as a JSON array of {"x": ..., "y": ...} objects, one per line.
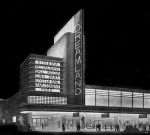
[{"x": 53, "y": 92}]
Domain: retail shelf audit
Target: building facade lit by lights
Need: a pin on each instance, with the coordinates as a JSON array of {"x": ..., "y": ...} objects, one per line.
[
  {"x": 53, "y": 91},
  {"x": 42, "y": 74}
]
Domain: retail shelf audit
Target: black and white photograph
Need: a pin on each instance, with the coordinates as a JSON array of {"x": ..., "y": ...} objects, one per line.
[{"x": 75, "y": 68}]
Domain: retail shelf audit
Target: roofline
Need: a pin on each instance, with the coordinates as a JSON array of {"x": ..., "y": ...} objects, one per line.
[
  {"x": 40, "y": 56},
  {"x": 116, "y": 88}
]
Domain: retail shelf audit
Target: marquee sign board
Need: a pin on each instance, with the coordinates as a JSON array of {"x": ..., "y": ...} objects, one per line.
[
  {"x": 42, "y": 74},
  {"x": 47, "y": 76}
]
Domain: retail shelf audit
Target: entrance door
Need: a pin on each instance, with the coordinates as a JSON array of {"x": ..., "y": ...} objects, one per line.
[{"x": 40, "y": 123}]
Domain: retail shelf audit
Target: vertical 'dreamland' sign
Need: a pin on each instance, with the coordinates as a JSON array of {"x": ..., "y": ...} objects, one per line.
[
  {"x": 78, "y": 53},
  {"x": 74, "y": 60}
]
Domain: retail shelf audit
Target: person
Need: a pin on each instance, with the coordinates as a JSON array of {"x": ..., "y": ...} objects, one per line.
[
  {"x": 118, "y": 128},
  {"x": 42, "y": 125},
  {"x": 144, "y": 128},
  {"x": 78, "y": 126},
  {"x": 83, "y": 122},
  {"x": 111, "y": 127},
  {"x": 115, "y": 127},
  {"x": 105, "y": 127},
  {"x": 130, "y": 129},
  {"x": 99, "y": 126},
  {"x": 96, "y": 127},
  {"x": 63, "y": 127},
  {"x": 28, "y": 127},
  {"x": 136, "y": 130}
]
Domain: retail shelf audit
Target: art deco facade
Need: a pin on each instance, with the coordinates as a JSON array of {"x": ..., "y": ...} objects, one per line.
[{"x": 53, "y": 90}]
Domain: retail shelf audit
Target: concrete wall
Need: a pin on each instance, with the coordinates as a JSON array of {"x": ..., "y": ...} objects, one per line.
[{"x": 63, "y": 48}]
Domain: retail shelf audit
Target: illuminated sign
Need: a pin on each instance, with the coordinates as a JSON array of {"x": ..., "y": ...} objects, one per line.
[
  {"x": 47, "y": 72},
  {"x": 47, "y": 90},
  {"x": 47, "y": 68},
  {"x": 47, "y": 63},
  {"x": 47, "y": 81},
  {"x": 78, "y": 54},
  {"x": 142, "y": 115},
  {"x": 105, "y": 115},
  {"x": 47, "y": 76},
  {"x": 76, "y": 114},
  {"x": 46, "y": 85}
]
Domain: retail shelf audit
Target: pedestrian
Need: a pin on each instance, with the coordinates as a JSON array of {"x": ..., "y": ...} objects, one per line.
[
  {"x": 99, "y": 127},
  {"x": 111, "y": 127},
  {"x": 115, "y": 127},
  {"x": 78, "y": 126},
  {"x": 83, "y": 122},
  {"x": 105, "y": 127},
  {"x": 96, "y": 127},
  {"x": 118, "y": 128},
  {"x": 63, "y": 127},
  {"x": 42, "y": 125},
  {"x": 28, "y": 127}
]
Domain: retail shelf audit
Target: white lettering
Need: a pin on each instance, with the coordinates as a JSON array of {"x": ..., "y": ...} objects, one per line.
[
  {"x": 78, "y": 61},
  {"x": 41, "y": 85},
  {"x": 47, "y": 89},
  {"x": 47, "y": 72},
  {"x": 47, "y": 76},
  {"x": 39, "y": 62},
  {"x": 47, "y": 81},
  {"x": 47, "y": 68}
]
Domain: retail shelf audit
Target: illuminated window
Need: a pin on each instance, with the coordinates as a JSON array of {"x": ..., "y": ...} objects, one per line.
[
  {"x": 137, "y": 100},
  {"x": 89, "y": 97},
  {"x": 146, "y": 100},
  {"x": 114, "y": 98},
  {"x": 101, "y": 97},
  {"x": 47, "y": 90},
  {"x": 46, "y": 100},
  {"x": 38, "y": 89},
  {"x": 40, "y": 98},
  {"x": 126, "y": 99}
]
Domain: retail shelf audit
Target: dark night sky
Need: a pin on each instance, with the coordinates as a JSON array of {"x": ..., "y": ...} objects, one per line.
[{"x": 117, "y": 40}]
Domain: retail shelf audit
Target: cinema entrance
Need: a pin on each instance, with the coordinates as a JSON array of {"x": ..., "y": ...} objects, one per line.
[
  {"x": 53, "y": 121},
  {"x": 86, "y": 121}
]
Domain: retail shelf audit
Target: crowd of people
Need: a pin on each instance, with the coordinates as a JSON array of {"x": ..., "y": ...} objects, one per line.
[
  {"x": 128, "y": 128},
  {"x": 115, "y": 128},
  {"x": 78, "y": 127}
]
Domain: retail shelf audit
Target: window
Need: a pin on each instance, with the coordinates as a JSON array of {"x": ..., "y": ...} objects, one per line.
[
  {"x": 90, "y": 97},
  {"x": 114, "y": 98},
  {"x": 146, "y": 100},
  {"x": 126, "y": 99},
  {"x": 46, "y": 100},
  {"x": 101, "y": 97},
  {"x": 137, "y": 100}
]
